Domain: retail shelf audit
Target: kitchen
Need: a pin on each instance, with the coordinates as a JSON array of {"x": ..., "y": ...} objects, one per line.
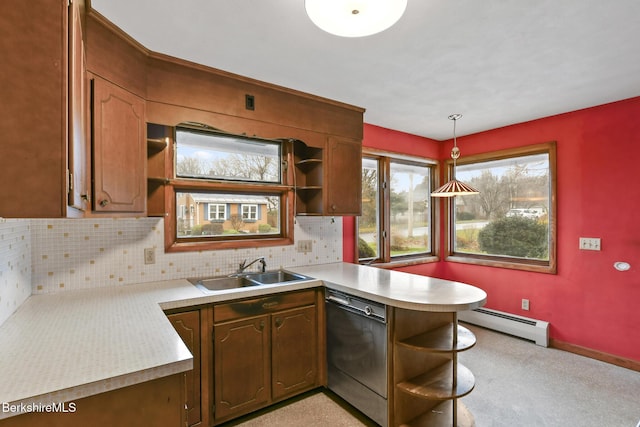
[{"x": 49, "y": 255}]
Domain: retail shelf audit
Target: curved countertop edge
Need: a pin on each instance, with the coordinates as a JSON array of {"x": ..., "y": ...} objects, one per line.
[
  {"x": 396, "y": 288},
  {"x": 153, "y": 298}
]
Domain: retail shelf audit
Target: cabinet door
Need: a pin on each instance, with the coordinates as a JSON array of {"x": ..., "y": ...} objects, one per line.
[
  {"x": 241, "y": 366},
  {"x": 187, "y": 325},
  {"x": 119, "y": 149},
  {"x": 32, "y": 115},
  {"x": 77, "y": 152},
  {"x": 294, "y": 351},
  {"x": 343, "y": 172}
]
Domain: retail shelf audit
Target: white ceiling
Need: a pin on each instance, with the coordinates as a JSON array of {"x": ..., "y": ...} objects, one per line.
[{"x": 498, "y": 62}]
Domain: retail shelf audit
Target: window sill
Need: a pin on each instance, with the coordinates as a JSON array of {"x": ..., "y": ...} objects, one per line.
[
  {"x": 533, "y": 266},
  {"x": 404, "y": 262},
  {"x": 227, "y": 244}
]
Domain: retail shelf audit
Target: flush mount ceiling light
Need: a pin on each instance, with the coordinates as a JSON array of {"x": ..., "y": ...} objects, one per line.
[
  {"x": 454, "y": 187},
  {"x": 354, "y": 18}
]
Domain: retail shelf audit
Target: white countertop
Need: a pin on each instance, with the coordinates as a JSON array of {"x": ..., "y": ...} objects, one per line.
[
  {"x": 65, "y": 346},
  {"x": 396, "y": 288}
]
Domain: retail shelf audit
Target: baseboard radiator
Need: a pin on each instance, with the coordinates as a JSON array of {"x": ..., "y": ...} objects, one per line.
[{"x": 523, "y": 327}]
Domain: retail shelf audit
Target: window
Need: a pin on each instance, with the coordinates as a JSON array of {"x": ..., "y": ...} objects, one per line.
[
  {"x": 229, "y": 191},
  {"x": 217, "y": 212},
  {"x": 511, "y": 222},
  {"x": 397, "y": 211},
  {"x": 250, "y": 212}
]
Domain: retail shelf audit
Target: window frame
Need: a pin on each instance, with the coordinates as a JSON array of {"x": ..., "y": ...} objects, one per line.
[
  {"x": 184, "y": 185},
  {"x": 540, "y": 266},
  {"x": 384, "y": 259}
]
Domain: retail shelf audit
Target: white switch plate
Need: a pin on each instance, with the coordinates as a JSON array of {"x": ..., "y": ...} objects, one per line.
[
  {"x": 149, "y": 255},
  {"x": 305, "y": 246},
  {"x": 525, "y": 304},
  {"x": 590, "y": 243}
]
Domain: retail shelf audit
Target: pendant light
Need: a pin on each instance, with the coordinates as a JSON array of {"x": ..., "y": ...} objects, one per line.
[
  {"x": 454, "y": 187},
  {"x": 354, "y": 18}
]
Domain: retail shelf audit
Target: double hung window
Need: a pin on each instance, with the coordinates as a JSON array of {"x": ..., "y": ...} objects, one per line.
[
  {"x": 231, "y": 190},
  {"x": 396, "y": 225}
]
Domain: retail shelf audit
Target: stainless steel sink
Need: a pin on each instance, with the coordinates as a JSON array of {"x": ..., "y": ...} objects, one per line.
[
  {"x": 209, "y": 284},
  {"x": 277, "y": 276},
  {"x": 222, "y": 283}
]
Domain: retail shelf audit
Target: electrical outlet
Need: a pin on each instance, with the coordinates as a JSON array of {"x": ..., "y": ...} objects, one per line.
[
  {"x": 590, "y": 243},
  {"x": 305, "y": 246},
  {"x": 149, "y": 255},
  {"x": 525, "y": 304}
]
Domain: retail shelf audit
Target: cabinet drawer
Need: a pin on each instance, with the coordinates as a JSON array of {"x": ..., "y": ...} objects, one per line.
[{"x": 264, "y": 304}]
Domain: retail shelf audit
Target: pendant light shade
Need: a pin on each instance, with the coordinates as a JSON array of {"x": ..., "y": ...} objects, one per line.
[
  {"x": 454, "y": 187},
  {"x": 355, "y": 18}
]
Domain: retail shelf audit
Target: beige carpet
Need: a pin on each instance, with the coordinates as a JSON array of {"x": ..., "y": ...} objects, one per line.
[{"x": 314, "y": 409}]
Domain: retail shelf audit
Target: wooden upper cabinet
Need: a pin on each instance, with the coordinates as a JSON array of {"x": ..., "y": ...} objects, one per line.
[
  {"x": 343, "y": 177},
  {"x": 78, "y": 194},
  {"x": 119, "y": 149},
  {"x": 32, "y": 112}
]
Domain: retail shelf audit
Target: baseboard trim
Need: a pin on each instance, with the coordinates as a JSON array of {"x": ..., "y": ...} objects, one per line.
[{"x": 634, "y": 365}]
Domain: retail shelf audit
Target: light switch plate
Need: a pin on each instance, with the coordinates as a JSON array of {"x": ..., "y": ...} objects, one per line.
[
  {"x": 590, "y": 243},
  {"x": 305, "y": 246}
]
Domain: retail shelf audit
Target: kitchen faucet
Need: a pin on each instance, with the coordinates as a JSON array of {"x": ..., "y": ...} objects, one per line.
[{"x": 243, "y": 265}]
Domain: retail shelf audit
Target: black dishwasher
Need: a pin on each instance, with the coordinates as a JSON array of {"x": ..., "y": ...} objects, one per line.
[{"x": 357, "y": 352}]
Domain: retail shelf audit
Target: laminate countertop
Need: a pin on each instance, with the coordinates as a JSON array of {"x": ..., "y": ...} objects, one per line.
[{"x": 73, "y": 344}]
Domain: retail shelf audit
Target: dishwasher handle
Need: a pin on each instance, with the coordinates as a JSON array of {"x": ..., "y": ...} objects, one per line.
[{"x": 338, "y": 300}]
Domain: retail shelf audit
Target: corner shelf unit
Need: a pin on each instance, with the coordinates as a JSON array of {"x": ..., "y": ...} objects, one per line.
[
  {"x": 159, "y": 149},
  {"x": 428, "y": 380},
  {"x": 308, "y": 184}
]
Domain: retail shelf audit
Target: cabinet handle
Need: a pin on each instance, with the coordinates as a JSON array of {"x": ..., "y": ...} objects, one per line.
[
  {"x": 278, "y": 322},
  {"x": 85, "y": 197},
  {"x": 270, "y": 304},
  {"x": 104, "y": 203},
  {"x": 261, "y": 327},
  {"x": 334, "y": 207}
]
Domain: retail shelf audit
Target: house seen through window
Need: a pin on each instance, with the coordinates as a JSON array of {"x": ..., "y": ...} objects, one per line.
[{"x": 228, "y": 187}]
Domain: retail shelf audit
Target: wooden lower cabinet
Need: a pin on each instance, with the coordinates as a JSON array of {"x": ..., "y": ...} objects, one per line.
[
  {"x": 158, "y": 402},
  {"x": 294, "y": 350},
  {"x": 187, "y": 324},
  {"x": 265, "y": 350},
  {"x": 241, "y": 366}
]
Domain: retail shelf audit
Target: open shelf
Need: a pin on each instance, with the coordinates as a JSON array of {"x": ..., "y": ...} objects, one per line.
[
  {"x": 309, "y": 175},
  {"x": 442, "y": 416},
  {"x": 442, "y": 339},
  {"x": 441, "y": 383},
  {"x": 158, "y": 167}
]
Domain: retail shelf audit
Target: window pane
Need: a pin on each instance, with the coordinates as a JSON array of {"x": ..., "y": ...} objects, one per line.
[
  {"x": 410, "y": 192},
  {"x": 218, "y": 156},
  {"x": 369, "y": 222},
  {"x": 222, "y": 215},
  {"x": 510, "y": 216}
]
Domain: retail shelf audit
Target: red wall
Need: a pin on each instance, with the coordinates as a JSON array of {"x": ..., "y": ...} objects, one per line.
[{"x": 588, "y": 303}]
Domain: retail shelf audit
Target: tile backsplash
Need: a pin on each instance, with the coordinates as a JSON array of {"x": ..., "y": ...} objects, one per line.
[
  {"x": 87, "y": 253},
  {"x": 15, "y": 265}
]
